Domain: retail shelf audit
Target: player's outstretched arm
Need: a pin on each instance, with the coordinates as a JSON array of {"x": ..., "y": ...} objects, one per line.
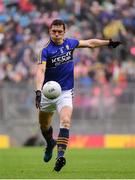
[{"x": 94, "y": 43}]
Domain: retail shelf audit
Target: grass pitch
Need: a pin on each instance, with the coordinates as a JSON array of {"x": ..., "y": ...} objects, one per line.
[{"x": 27, "y": 163}]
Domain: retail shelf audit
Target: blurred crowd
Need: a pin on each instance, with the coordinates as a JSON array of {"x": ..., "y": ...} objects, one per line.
[{"x": 24, "y": 30}]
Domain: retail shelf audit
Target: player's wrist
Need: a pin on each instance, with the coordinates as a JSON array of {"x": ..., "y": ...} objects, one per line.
[
  {"x": 110, "y": 42},
  {"x": 38, "y": 92}
]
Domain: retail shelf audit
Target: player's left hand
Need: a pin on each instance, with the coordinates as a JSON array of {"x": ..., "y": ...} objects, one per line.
[
  {"x": 113, "y": 44},
  {"x": 38, "y": 99}
]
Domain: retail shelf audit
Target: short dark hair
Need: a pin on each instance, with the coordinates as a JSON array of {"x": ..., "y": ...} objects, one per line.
[{"x": 58, "y": 22}]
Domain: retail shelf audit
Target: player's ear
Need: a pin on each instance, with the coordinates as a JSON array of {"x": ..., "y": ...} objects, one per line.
[
  {"x": 64, "y": 31},
  {"x": 49, "y": 30}
]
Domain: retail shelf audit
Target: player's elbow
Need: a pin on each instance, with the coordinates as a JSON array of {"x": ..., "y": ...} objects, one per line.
[
  {"x": 92, "y": 46},
  {"x": 92, "y": 43}
]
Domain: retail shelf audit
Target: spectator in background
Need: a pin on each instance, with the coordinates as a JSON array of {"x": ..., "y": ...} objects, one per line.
[{"x": 114, "y": 28}]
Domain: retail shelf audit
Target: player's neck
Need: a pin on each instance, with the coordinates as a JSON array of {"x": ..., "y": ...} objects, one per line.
[{"x": 58, "y": 42}]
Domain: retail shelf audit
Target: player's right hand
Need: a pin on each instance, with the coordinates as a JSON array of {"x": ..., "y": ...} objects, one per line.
[
  {"x": 113, "y": 44},
  {"x": 38, "y": 99}
]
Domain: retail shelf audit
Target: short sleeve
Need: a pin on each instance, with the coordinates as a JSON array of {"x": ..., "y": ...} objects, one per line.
[
  {"x": 42, "y": 58},
  {"x": 73, "y": 43}
]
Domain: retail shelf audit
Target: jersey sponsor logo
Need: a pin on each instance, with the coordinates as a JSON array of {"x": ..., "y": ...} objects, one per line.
[{"x": 54, "y": 62}]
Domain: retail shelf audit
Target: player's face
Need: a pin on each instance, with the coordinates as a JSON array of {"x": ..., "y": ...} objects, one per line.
[{"x": 57, "y": 33}]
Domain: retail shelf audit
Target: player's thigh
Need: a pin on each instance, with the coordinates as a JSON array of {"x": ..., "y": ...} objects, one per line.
[{"x": 45, "y": 118}]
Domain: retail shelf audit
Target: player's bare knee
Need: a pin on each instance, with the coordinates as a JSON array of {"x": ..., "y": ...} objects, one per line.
[
  {"x": 65, "y": 123},
  {"x": 44, "y": 125}
]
